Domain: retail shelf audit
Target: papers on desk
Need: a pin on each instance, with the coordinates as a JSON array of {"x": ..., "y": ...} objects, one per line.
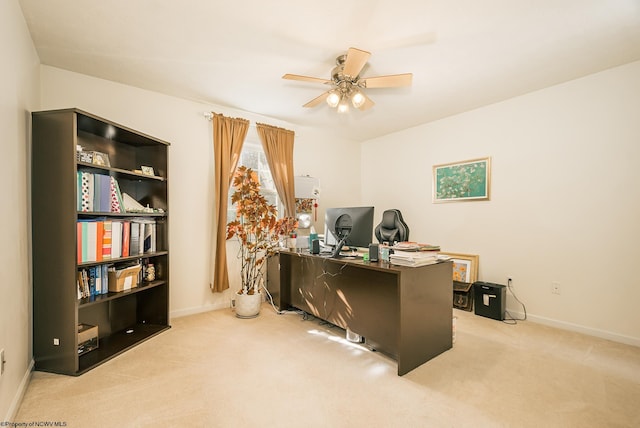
[
  {"x": 415, "y": 246},
  {"x": 413, "y": 258}
]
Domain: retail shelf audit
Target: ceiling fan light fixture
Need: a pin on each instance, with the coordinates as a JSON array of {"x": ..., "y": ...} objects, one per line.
[
  {"x": 333, "y": 99},
  {"x": 343, "y": 105},
  {"x": 357, "y": 99}
]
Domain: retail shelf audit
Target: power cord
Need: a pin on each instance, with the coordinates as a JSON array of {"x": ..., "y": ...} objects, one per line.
[
  {"x": 279, "y": 312},
  {"x": 524, "y": 308}
]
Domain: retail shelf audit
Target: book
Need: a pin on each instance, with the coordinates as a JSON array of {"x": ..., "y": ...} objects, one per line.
[
  {"x": 99, "y": 240},
  {"x": 92, "y": 229},
  {"x": 105, "y": 279},
  {"x": 79, "y": 242},
  {"x": 106, "y": 240},
  {"x": 134, "y": 238},
  {"x": 126, "y": 238},
  {"x": 116, "y": 239},
  {"x": 85, "y": 191},
  {"x": 104, "y": 202},
  {"x": 116, "y": 205}
]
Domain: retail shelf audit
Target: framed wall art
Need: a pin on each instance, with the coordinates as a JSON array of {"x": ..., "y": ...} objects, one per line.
[{"x": 462, "y": 181}]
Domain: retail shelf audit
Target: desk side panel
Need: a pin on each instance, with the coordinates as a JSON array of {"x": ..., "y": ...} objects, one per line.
[{"x": 426, "y": 314}]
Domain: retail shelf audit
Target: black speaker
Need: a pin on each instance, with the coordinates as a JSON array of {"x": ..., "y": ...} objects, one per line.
[
  {"x": 315, "y": 246},
  {"x": 490, "y": 299},
  {"x": 373, "y": 252}
]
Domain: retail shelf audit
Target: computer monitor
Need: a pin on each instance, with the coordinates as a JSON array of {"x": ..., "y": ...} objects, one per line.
[{"x": 351, "y": 226}]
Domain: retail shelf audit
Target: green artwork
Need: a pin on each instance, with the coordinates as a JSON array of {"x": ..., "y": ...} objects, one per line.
[{"x": 462, "y": 180}]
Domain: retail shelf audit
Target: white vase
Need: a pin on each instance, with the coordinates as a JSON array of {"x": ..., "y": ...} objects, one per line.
[{"x": 248, "y": 305}]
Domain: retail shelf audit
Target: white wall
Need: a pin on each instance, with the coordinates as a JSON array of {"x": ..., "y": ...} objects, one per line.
[
  {"x": 182, "y": 123},
  {"x": 564, "y": 202},
  {"x": 19, "y": 84}
]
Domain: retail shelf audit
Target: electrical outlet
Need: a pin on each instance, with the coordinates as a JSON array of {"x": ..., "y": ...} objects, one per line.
[
  {"x": 509, "y": 280},
  {"x": 2, "y": 361},
  {"x": 555, "y": 287}
]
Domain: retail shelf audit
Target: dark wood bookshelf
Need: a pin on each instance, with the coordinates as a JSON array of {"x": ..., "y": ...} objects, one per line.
[{"x": 124, "y": 319}]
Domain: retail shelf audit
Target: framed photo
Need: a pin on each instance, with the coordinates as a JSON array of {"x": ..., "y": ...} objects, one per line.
[
  {"x": 462, "y": 181},
  {"x": 465, "y": 267},
  {"x": 86, "y": 157},
  {"x": 101, "y": 159},
  {"x": 147, "y": 170}
]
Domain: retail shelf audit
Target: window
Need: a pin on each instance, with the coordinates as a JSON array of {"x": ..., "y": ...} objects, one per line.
[{"x": 253, "y": 157}]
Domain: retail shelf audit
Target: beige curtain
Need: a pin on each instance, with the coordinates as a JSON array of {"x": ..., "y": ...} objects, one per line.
[
  {"x": 278, "y": 148},
  {"x": 228, "y": 137}
]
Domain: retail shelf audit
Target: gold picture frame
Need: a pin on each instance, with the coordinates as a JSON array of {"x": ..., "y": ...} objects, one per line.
[
  {"x": 465, "y": 266},
  {"x": 100, "y": 159},
  {"x": 147, "y": 170}
]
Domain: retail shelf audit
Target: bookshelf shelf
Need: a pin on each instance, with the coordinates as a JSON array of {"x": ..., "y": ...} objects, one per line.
[
  {"x": 124, "y": 319},
  {"x": 117, "y": 343},
  {"x": 101, "y": 298},
  {"x": 125, "y": 259},
  {"x": 121, "y": 172}
]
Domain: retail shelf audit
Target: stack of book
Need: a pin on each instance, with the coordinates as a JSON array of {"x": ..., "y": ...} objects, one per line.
[
  {"x": 98, "y": 193},
  {"x": 105, "y": 239},
  {"x": 92, "y": 281},
  {"x": 413, "y": 258}
]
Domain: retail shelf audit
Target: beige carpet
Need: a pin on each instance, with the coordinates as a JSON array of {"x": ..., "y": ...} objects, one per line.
[{"x": 214, "y": 370}]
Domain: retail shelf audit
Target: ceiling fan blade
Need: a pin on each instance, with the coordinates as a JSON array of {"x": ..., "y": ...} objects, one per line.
[
  {"x": 368, "y": 103},
  {"x": 317, "y": 100},
  {"x": 305, "y": 78},
  {"x": 356, "y": 59},
  {"x": 391, "y": 81}
]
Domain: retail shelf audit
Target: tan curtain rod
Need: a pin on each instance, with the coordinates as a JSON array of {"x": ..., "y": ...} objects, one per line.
[{"x": 209, "y": 116}]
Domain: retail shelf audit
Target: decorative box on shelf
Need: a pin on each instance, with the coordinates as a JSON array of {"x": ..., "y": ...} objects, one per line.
[
  {"x": 462, "y": 295},
  {"x": 87, "y": 338},
  {"x": 124, "y": 279}
]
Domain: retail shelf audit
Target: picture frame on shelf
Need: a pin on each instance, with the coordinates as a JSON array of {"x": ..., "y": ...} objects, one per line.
[
  {"x": 100, "y": 159},
  {"x": 147, "y": 170},
  {"x": 86, "y": 157},
  {"x": 468, "y": 180}
]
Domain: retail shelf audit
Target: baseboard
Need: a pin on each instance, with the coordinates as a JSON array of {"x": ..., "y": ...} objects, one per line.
[
  {"x": 628, "y": 340},
  {"x": 222, "y": 304},
  {"x": 199, "y": 309},
  {"x": 22, "y": 389}
]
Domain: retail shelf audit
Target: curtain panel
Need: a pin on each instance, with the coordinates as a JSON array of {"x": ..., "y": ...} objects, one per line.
[
  {"x": 278, "y": 148},
  {"x": 228, "y": 137}
]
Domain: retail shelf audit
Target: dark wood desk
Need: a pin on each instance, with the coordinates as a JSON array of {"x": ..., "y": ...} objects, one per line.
[{"x": 404, "y": 312}]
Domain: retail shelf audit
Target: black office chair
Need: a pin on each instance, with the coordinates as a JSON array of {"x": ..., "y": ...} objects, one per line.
[{"x": 392, "y": 228}]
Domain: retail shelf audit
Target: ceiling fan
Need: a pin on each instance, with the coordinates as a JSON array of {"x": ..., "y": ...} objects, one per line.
[{"x": 347, "y": 85}]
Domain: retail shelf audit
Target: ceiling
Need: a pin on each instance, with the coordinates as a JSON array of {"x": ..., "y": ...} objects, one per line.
[{"x": 463, "y": 54}]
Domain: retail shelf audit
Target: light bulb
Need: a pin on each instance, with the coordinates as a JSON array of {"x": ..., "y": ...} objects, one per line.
[
  {"x": 333, "y": 99},
  {"x": 357, "y": 99},
  {"x": 343, "y": 106}
]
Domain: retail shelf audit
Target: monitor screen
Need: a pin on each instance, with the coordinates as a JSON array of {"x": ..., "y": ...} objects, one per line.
[{"x": 356, "y": 223}]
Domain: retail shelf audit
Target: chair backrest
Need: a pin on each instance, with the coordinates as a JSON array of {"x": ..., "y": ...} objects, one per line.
[{"x": 392, "y": 228}]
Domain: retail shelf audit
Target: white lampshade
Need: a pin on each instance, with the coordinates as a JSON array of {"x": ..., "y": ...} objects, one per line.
[
  {"x": 333, "y": 99},
  {"x": 343, "y": 105},
  {"x": 357, "y": 99}
]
